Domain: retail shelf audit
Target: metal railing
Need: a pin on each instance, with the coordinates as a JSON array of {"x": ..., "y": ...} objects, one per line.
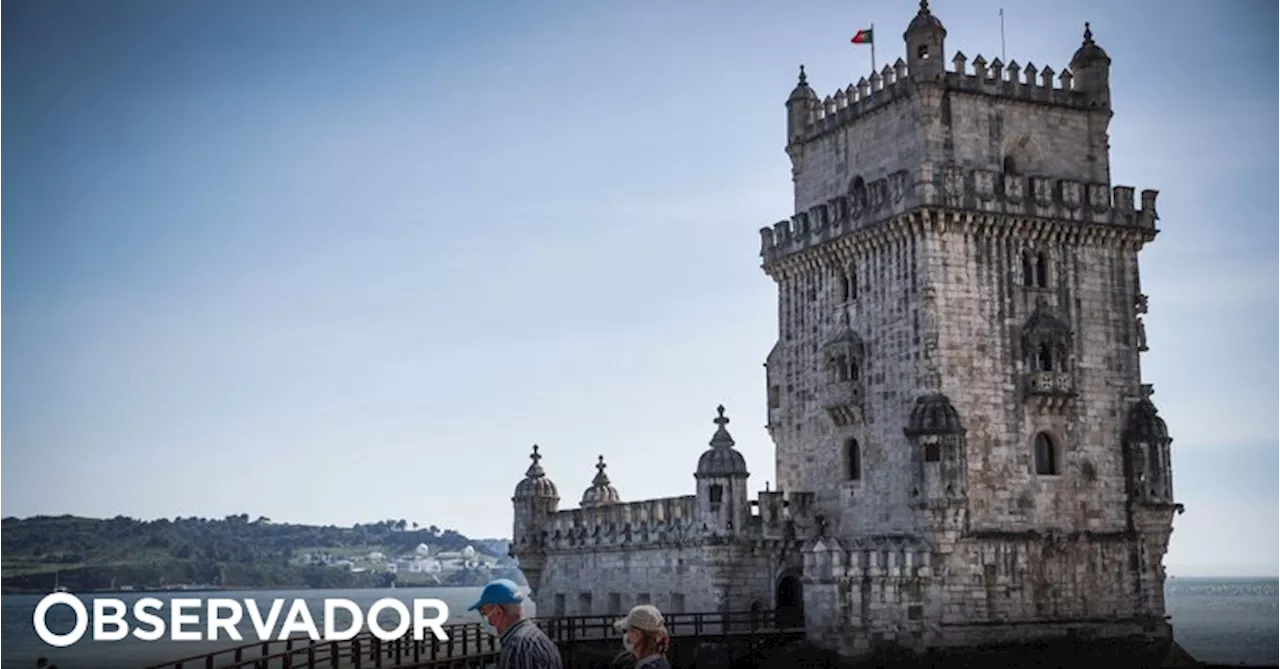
[{"x": 468, "y": 646}]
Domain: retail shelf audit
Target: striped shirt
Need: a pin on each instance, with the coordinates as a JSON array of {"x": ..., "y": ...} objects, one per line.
[{"x": 525, "y": 646}]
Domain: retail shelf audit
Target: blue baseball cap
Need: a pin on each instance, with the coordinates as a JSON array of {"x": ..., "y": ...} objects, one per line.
[{"x": 501, "y": 591}]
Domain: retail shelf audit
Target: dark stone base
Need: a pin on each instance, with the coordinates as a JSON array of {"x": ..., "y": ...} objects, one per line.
[
  {"x": 1091, "y": 654},
  {"x": 775, "y": 653}
]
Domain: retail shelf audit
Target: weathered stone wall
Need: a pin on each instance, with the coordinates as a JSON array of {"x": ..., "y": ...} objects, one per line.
[
  {"x": 881, "y": 142},
  {"x": 979, "y": 130},
  {"x": 676, "y": 579},
  {"x": 988, "y": 589},
  {"x": 982, "y": 307},
  {"x": 812, "y": 452}
]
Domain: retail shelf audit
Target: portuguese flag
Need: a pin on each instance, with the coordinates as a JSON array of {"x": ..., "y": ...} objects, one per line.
[{"x": 862, "y": 37}]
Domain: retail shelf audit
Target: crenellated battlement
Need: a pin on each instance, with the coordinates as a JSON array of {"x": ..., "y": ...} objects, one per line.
[
  {"x": 1011, "y": 80},
  {"x": 957, "y": 188},
  {"x": 671, "y": 520},
  {"x": 829, "y": 558},
  {"x": 868, "y": 94},
  {"x": 895, "y": 82},
  {"x": 654, "y": 521}
]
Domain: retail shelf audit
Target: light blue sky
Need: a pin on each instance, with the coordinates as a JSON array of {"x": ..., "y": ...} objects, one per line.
[{"x": 331, "y": 264}]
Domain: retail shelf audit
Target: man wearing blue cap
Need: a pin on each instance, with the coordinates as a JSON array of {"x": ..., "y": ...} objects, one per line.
[{"x": 524, "y": 645}]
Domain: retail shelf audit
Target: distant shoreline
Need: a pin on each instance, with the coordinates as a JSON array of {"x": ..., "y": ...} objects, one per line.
[{"x": 231, "y": 588}]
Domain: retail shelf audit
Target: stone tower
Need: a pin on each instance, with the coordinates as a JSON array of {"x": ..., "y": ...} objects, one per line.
[
  {"x": 723, "y": 507},
  {"x": 535, "y": 500},
  {"x": 957, "y": 370}
]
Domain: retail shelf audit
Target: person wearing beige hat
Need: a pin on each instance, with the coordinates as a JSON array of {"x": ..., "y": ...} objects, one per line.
[{"x": 644, "y": 633}]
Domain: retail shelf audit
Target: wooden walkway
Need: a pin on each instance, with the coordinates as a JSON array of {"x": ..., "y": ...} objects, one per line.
[{"x": 468, "y": 645}]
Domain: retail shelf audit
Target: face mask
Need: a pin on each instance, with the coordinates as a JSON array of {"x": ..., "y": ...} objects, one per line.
[{"x": 487, "y": 626}]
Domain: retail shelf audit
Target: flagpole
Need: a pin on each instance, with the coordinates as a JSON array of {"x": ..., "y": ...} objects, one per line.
[
  {"x": 1002, "y": 58},
  {"x": 873, "y": 48}
]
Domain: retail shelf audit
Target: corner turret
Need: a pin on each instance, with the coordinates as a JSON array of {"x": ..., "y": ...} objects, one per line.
[
  {"x": 800, "y": 105},
  {"x": 925, "y": 38},
  {"x": 1147, "y": 456},
  {"x": 535, "y": 499},
  {"x": 1091, "y": 71},
  {"x": 938, "y": 436},
  {"x": 601, "y": 492},
  {"x": 722, "y": 483}
]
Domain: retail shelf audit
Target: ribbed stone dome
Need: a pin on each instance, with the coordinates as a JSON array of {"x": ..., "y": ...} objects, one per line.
[
  {"x": 802, "y": 91},
  {"x": 1145, "y": 424},
  {"x": 1089, "y": 52},
  {"x": 535, "y": 482},
  {"x": 934, "y": 415},
  {"x": 722, "y": 460},
  {"x": 600, "y": 493},
  {"x": 925, "y": 21}
]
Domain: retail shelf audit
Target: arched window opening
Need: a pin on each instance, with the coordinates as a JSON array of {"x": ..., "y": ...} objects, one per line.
[
  {"x": 854, "y": 371},
  {"x": 853, "y": 283},
  {"x": 1044, "y": 361},
  {"x": 853, "y": 455},
  {"x": 716, "y": 494},
  {"x": 842, "y": 368},
  {"x": 1010, "y": 166},
  {"x": 932, "y": 452},
  {"x": 843, "y": 288},
  {"x": 1046, "y": 456},
  {"x": 922, "y": 52},
  {"x": 1035, "y": 270}
]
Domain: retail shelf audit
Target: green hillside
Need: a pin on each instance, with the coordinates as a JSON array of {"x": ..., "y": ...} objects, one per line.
[{"x": 86, "y": 554}]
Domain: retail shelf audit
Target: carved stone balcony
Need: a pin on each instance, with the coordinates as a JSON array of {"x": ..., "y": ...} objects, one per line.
[
  {"x": 1053, "y": 384},
  {"x": 1049, "y": 391},
  {"x": 842, "y": 400}
]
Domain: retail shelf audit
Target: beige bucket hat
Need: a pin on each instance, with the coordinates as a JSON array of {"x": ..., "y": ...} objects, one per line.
[{"x": 643, "y": 617}]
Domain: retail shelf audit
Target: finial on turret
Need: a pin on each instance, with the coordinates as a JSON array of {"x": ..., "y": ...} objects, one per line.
[
  {"x": 804, "y": 80},
  {"x": 721, "y": 438},
  {"x": 1088, "y": 33},
  {"x": 924, "y": 6},
  {"x": 601, "y": 478},
  {"x": 535, "y": 469}
]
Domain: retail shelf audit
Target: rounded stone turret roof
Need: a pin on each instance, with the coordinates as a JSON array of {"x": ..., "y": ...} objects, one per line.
[
  {"x": 934, "y": 414},
  {"x": 721, "y": 460},
  {"x": 1145, "y": 424},
  {"x": 802, "y": 90},
  {"x": 924, "y": 21},
  {"x": 535, "y": 482},
  {"x": 601, "y": 492},
  {"x": 1089, "y": 52}
]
